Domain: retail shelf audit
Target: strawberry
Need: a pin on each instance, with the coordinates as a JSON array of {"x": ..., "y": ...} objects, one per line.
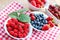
[
  {"x": 33, "y": 3},
  {"x": 51, "y": 24},
  {"x": 45, "y": 27},
  {"x": 33, "y": 18},
  {"x": 49, "y": 18}
]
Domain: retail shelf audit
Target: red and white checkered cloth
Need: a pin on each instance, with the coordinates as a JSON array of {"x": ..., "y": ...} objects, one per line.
[{"x": 51, "y": 34}]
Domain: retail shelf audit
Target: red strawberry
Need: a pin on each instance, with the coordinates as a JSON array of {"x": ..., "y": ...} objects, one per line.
[
  {"x": 33, "y": 18},
  {"x": 49, "y": 18},
  {"x": 51, "y": 24},
  {"x": 9, "y": 29},
  {"x": 15, "y": 34},
  {"x": 12, "y": 32},
  {"x": 16, "y": 30},
  {"x": 33, "y": 3},
  {"x": 45, "y": 27}
]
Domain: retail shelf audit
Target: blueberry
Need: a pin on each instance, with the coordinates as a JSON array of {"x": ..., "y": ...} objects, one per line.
[
  {"x": 37, "y": 20},
  {"x": 45, "y": 21},
  {"x": 40, "y": 19},
  {"x": 32, "y": 21},
  {"x": 33, "y": 25},
  {"x": 41, "y": 15},
  {"x": 41, "y": 24}
]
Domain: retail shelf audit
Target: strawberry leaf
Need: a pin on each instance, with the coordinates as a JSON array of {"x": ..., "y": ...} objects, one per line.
[
  {"x": 13, "y": 15},
  {"x": 24, "y": 18}
]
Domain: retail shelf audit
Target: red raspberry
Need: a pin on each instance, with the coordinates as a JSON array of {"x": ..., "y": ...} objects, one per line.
[
  {"x": 51, "y": 24},
  {"x": 9, "y": 29},
  {"x": 20, "y": 35},
  {"x": 24, "y": 34},
  {"x": 15, "y": 34},
  {"x": 15, "y": 30},
  {"x": 26, "y": 25},
  {"x": 14, "y": 20},
  {"x": 9, "y": 21},
  {"x": 12, "y": 32},
  {"x": 33, "y": 3},
  {"x": 16, "y": 27},
  {"x": 26, "y": 31},
  {"x": 21, "y": 29},
  {"x": 33, "y": 18},
  {"x": 31, "y": 14},
  {"x": 49, "y": 18},
  {"x": 8, "y": 25},
  {"x": 12, "y": 24},
  {"x": 21, "y": 24}
]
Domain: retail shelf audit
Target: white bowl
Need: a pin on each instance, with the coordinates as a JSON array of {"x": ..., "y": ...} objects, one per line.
[
  {"x": 29, "y": 34},
  {"x": 35, "y": 8},
  {"x": 36, "y": 12},
  {"x": 57, "y": 21}
]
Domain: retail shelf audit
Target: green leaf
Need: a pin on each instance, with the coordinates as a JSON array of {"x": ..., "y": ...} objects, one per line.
[
  {"x": 22, "y": 10},
  {"x": 24, "y": 18},
  {"x": 13, "y": 15}
]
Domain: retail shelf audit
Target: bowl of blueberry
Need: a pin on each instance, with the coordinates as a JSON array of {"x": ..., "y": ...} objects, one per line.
[{"x": 40, "y": 21}]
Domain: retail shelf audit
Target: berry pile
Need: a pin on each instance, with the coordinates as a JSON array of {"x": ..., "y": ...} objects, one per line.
[
  {"x": 17, "y": 29},
  {"x": 39, "y": 22},
  {"x": 37, "y": 3},
  {"x": 55, "y": 11}
]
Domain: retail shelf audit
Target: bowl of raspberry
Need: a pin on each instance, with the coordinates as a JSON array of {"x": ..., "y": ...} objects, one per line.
[
  {"x": 18, "y": 26},
  {"x": 38, "y": 4},
  {"x": 41, "y": 21},
  {"x": 17, "y": 29}
]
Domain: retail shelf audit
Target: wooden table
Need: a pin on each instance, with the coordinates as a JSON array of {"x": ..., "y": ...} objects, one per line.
[{"x": 3, "y": 3}]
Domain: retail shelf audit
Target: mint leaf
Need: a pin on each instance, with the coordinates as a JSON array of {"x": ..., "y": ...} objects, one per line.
[
  {"x": 13, "y": 15},
  {"x": 24, "y": 18},
  {"x": 22, "y": 10}
]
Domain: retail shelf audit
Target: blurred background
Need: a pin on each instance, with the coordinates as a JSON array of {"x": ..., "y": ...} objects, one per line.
[{"x": 4, "y": 3}]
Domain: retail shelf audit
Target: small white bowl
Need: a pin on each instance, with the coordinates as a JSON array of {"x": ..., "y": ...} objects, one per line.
[
  {"x": 36, "y": 12},
  {"x": 29, "y": 34},
  {"x": 35, "y": 8}
]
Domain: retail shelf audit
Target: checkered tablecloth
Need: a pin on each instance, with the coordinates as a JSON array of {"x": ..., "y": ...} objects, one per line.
[{"x": 51, "y": 34}]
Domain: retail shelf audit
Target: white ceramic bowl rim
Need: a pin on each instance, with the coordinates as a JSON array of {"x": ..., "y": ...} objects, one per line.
[{"x": 29, "y": 34}]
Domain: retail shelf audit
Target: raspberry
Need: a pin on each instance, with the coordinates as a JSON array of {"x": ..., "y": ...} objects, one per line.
[
  {"x": 24, "y": 34},
  {"x": 33, "y": 18},
  {"x": 21, "y": 24},
  {"x": 15, "y": 30},
  {"x": 20, "y": 35},
  {"x": 12, "y": 32},
  {"x": 15, "y": 34},
  {"x": 9, "y": 29},
  {"x": 15, "y": 26}
]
